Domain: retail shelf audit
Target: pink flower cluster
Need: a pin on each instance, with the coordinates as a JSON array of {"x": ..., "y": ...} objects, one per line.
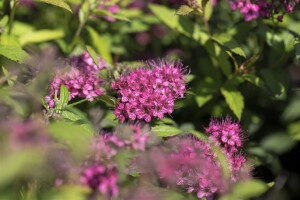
[
  {"x": 103, "y": 148},
  {"x": 106, "y": 145},
  {"x": 149, "y": 91},
  {"x": 227, "y": 134},
  {"x": 189, "y": 164},
  {"x": 82, "y": 80},
  {"x": 101, "y": 178},
  {"x": 252, "y": 9}
]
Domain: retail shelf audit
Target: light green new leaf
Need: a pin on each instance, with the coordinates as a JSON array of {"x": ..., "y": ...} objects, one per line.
[
  {"x": 297, "y": 50},
  {"x": 63, "y": 97},
  {"x": 101, "y": 45},
  {"x": 165, "y": 130},
  {"x": 41, "y": 36},
  {"x": 234, "y": 99},
  {"x": 15, "y": 165},
  {"x": 93, "y": 54},
  {"x": 58, "y": 3},
  {"x": 73, "y": 135},
  {"x": 184, "y": 10},
  {"x": 75, "y": 192},
  {"x": 14, "y": 53},
  {"x": 208, "y": 10},
  {"x": 250, "y": 189},
  {"x": 179, "y": 23},
  {"x": 109, "y": 14}
]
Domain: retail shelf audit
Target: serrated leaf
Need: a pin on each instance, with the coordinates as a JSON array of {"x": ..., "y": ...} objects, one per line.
[
  {"x": 14, "y": 53},
  {"x": 93, "y": 54},
  {"x": 184, "y": 10},
  {"x": 165, "y": 130},
  {"x": 63, "y": 97},
  {"x": 234, "y": 99},
  {"x": 41, "y": 36},
  {"x": 58, "y": 3}
]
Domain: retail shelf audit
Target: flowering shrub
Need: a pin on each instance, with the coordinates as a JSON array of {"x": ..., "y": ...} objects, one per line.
[{"x": 97, "y": 101}]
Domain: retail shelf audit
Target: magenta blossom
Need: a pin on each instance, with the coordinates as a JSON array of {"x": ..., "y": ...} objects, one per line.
[
  {"x": 187, "y": 163},
  {"x": 101, "y": 178},
  {"x": 252, "y": 9},
  {"x": 227, "y": 134},
  {"x": 81, "y": 80},
  {"x": 149, "y": 91}
]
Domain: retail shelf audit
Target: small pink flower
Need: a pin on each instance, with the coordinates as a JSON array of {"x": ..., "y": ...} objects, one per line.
[{"x": 149, "y": 92}]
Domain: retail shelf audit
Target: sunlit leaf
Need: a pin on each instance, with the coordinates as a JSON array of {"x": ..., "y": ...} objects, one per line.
[
  {"x": 58, "y": 3},
  {"x": 165, "y": 130}
]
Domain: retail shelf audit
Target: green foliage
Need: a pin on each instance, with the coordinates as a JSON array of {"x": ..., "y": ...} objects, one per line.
[
  {"x": 246, "y": 70},
  {"x": 247, "y": 189},
  {"x": 234, "y": 99},
  {"x": 14, "y": 53},
  {"x": 58, "y": 3},
  {"x": 165, "y": 130}
]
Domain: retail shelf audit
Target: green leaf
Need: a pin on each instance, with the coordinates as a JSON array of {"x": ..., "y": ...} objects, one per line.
[
  {"x": 18, "y": 164},
  {"x": 165, "y": 130},
  {"x": 14, "y": 53},
  {"x": 41, "y": 36},
  {"x": 207, "y": 88},
  {"x": 248, "y": 64},
  {"x": 297, "y": 50},
  {"x": 234, "y": 99},
  {"x": 100, "y": 44},
  {"x": 58, "y": 3},
  {"x": 276, "y": 82},
  {"x": 93, "y": 54},
  {"x": 72, "y": 135},
  {"x": 69, "y": 193},
  {"x": 63, "y": 97},
  {"x": 294, "y": 130},
  {"x": 220, "y": 56},
  {"x": 9, "y": 40},
  {"x": 108, "y": 100},
  {"x": 255, "y": 80},
  {"x": 107, "y": 13},
  {"x": 179, "y": 23},
  {"x": 208, "y": 10},
  {"x": 228, "y": 42},
  {"x": 250, "y": 189},
  {"x": 278, "y": 143},
  {"x": 184, "y": 10}
]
